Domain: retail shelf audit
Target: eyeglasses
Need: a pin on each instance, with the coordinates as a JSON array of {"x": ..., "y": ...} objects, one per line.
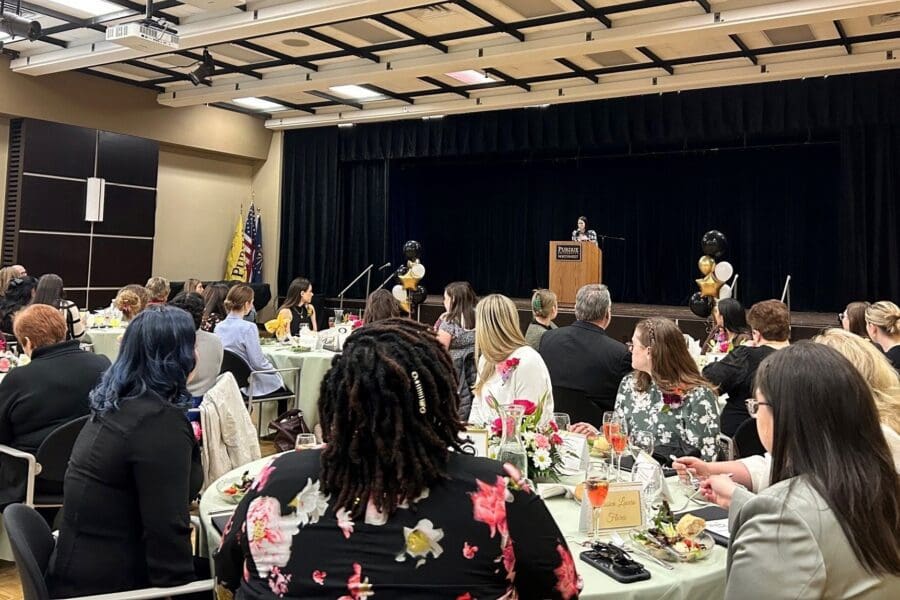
[
  {"x": 842, "y": 316},
  {"x": 753, "y": 406},
  {"x": 630, "y": 346}
]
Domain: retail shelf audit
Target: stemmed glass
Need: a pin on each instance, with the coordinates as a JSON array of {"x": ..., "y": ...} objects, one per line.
[
  {"x": 619, "y": 444},
  {"x": 596, "y": 487},
  {"x": 610, "y": 424},
  {"x": 641, "y": 441}
]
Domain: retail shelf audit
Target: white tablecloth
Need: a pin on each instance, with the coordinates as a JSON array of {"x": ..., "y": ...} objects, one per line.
[
  {"x": 106, "y": 341},
  {"x": 688, "y": 581},
  {"x": 313, "y": 365}
]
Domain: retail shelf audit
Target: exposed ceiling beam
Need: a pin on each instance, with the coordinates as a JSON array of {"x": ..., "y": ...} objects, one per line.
[
  {"x": 342, "y": 45},
  {"x": 158, "y": 8},
  {"x": 409, "y": 32},
  {"x": 336, "y": 99},
  {"x": 576, "y": 69},
  {"x": 587, "y": 6},
  {"x": 275, "y": 53},
  {"x": 547, "y": 46},
  {"x": 871, "y": 61},
  {"x": 744, "y": 48},
  {"x": 489, "y": 18},
  {"x": 209, "y": 32},
  {"x": 843, "y": 35},
  {"x": 449, "y": 89}
]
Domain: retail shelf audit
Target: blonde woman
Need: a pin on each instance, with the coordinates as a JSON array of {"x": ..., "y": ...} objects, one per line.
[
  {"x": 883, "y": 327},
  {"x": 508, "y": 368},
  {"x": 753, "y": 472},
  {"x": 131, "y": 300},
  {"x": 544, "y": 310}
]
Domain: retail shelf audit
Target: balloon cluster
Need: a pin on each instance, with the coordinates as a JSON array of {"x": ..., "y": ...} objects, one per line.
[
  {"x": 408, "y": 291},
  {"x": 715, "y": 275}
]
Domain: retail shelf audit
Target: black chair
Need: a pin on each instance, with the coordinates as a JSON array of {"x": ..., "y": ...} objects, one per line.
[
  {"x": 578, "y": 405},
  {"x": 47, "y": 467},
  {"x": 33, "y": 544},
  {"x": 244, "y": 375},
  {"x": 746, "y": 440}
]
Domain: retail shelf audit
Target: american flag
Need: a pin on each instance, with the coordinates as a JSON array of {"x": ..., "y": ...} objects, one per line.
[
  {"x": 256, "y": 267},
  {"x": 249, "y": 254}
]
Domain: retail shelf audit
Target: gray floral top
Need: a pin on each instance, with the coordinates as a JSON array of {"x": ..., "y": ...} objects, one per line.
[{"x": 694, "y": 419}]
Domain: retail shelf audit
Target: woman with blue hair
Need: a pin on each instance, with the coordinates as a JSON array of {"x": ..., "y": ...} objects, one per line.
[{"x": 134, "y": 469}]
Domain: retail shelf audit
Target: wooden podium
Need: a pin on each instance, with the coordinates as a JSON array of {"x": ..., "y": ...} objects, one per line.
[{"x": 572, "y": 265}]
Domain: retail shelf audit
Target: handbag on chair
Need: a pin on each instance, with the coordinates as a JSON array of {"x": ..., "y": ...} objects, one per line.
[{"x": 287, "y": 427}]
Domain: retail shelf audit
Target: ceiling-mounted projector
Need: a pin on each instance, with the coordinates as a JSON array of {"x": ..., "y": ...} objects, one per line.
[
  {"x": 146, "y": 35},
  {"x": 17, "y": 25}
]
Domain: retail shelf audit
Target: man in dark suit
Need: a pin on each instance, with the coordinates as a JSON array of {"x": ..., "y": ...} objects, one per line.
[{"x": 582, "y": 357}]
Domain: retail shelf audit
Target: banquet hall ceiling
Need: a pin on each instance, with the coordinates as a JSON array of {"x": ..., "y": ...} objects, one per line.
[{"x": 291, "y": 61}]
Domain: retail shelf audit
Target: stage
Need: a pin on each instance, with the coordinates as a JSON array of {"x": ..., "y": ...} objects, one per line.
[{"x": 804, "y": 325}]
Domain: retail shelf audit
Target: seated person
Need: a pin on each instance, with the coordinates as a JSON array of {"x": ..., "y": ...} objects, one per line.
[
  {"x": 770, "y": 326},
  {"x": 582, "y": 356},
  {"x": 731, "y": 329},
  {"x": 827, "y": 525},
  {"x": 46, "y": 393},
  {"x": 242, "y": 338},
  {"x": 50, "y": 291},
  {"x": 883, "y": 327},
  {"x": 214, "y": 305},
  {"x": 455, "y": 330},
  {"x": 298, "y": 306},
  {"x": 354, "y": 519},
  {"x": 158, "y": 288},
  {"x": 131, "y": 300},
  {"x": 134, "y": 470},
  {"x": 19, "y": 294},
  {"x": 382, "y": 305},
  {"x": 209, "y": 347},
  {"x": 543, "y": 310}
]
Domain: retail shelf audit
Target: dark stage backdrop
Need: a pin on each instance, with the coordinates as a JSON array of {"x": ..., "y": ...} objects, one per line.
[
  {"x": 490, "y": 221},
  {"x": 826, "y": 212}
]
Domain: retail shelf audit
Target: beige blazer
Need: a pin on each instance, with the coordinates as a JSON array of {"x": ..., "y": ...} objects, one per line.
[{"x": 790, "y": 545}]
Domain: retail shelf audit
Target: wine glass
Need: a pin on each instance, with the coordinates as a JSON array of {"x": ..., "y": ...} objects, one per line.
[
  {"x": 306, "y": 441},
  {"x": 651, "y": 477},
  {"x": 596, "y": 487},
  {"x": 641, "y": 441},
  {"x": 610, "y": 423},
  {"x": 562, "y": 420},
  {"x": 619, "y": 443}
]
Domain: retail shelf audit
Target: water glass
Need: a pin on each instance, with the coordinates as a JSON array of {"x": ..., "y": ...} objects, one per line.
[
  {"x": 641, "y": 441},
  {"x": 338, "y": 315},
  {"x": 562, "y": 420},
  {"x": 306, "y": 441},
  {"x": 330, "y": 322}
]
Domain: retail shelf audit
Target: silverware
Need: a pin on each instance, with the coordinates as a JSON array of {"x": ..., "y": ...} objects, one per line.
[{"x": 617, "y": 540}]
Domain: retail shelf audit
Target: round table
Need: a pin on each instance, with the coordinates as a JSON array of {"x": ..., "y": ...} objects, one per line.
[
  {"x": 687, "y": 581},
  {"x": 313, "y": 365},
  {"x": 106, "y": 341}
]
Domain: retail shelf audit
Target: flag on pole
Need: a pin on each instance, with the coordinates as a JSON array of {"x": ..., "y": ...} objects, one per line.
[
  {"x": 232, "y": 270},
  {"x": 257, "y": 265},
  {"x": 249, "y": 244}
]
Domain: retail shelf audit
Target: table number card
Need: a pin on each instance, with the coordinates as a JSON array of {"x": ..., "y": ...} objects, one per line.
[
  {"x": 474, "y": 441},
  {"x": 623, "y": 508}
]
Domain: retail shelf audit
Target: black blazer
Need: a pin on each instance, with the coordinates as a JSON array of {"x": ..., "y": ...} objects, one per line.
[
  {"x": 582, "y": 357},
  {"x": 36, "y": 399},
  {"x": 125, "y": 521}
]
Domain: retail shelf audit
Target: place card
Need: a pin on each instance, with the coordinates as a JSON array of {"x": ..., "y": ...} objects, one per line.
[
  {"x": 474, "y": 441},
  {"x": 623, "y": 508}
]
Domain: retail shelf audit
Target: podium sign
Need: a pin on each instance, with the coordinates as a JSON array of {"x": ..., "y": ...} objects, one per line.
[{"x": 568, "y": 252}]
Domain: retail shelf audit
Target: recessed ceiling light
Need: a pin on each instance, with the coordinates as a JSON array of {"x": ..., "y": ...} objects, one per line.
[
  {"x": 471, "y": 77},
  {"x": 95, "y": 8},
  {"x": 356, "y": 92},
  {"x": 259, "y": 104},
  {"x": 296, "y": 42}
]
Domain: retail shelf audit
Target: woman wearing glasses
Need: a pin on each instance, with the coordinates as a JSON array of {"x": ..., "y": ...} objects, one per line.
[{"x": 827, "y": 526}]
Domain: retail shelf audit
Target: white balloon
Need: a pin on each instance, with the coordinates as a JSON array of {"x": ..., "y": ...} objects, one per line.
[
  {"x": 418, "y": 270},
  {"x": 724, "y": 292},
  {"x": 724, "y": 271},
  {"x": 399, "y": 293}
]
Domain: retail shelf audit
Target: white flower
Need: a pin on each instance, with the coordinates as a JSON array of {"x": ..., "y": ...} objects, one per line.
[
  {"x": 542, "y": 459},
  {"x": 528, "y": 437},
  {"x": 344, "y": 522},
  {"x": 420, "y": 541},
  {"x": 310, "y": 504},
  {"x": 269, "y": 534}
]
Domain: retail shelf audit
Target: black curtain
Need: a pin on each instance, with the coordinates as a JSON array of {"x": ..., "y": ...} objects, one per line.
[{"x": 825, "y": 214}]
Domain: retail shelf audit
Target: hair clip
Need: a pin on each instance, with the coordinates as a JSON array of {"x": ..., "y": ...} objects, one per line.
[
  {"x": 651, "y": 331},
  {"x": 419, "y": 392},
  {"x": 536, "y": 303}
]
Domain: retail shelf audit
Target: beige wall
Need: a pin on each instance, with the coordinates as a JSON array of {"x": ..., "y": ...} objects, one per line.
[
  {"x": 266, "y": 185},
  {"x": 89, "y": 101},
  {"x": 4, "y": 150}
]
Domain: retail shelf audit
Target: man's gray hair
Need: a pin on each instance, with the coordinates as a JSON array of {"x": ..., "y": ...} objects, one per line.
[{"x": 592, "y": 302}]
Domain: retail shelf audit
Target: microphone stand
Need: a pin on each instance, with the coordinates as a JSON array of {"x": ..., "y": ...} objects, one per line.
[
  {"x": 787, "y": 292},
  {"x": 389, "y": 277},
  {"x": 603, "y": 239},
  {"x": 366, "y": 271}
]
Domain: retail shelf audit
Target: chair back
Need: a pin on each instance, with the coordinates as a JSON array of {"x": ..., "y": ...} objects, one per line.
[
  {"x": 579, "y": 406},
  {"x": 32, "y": 545},
  {"x": 746, "y": 440},
  {"x": 237, "y": 366},
  {"x": 54, "y": 452}
]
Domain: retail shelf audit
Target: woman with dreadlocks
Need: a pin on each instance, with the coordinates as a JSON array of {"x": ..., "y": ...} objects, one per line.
[{"x": 390, "y": 505}]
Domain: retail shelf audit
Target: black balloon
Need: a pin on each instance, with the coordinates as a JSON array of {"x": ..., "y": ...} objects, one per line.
[
  {"x": 418, "y": 295},
  {"x": 714, "y": 243},
  {"x": 411, "y": 249},
  {"x": 402, "y": 270},
  {"x": 701, "y": 305}
]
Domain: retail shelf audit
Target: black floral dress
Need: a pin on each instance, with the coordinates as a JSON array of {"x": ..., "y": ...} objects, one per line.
[{"x": 477, "y": 534}]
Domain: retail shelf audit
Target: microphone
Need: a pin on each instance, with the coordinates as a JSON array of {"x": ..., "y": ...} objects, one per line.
[{"x": 384, "y": 266}]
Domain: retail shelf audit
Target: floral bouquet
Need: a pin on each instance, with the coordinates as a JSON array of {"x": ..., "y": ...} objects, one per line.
[{"x": 543, "y": 444}]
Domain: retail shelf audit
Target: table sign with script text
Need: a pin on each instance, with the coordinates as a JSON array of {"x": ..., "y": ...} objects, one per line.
[{"x": 623, "y": 508}]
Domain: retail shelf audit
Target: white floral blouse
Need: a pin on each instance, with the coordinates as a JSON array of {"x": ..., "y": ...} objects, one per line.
[
  {"x": 522, "y": 376},
  {"x": 692, "y": 417}
]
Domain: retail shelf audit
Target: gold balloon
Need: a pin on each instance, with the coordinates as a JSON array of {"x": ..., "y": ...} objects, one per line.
[
  {"x": 709, "y": 286},
  {"x": 409, "y": 281},
  {"x": 706, "y": 264}
]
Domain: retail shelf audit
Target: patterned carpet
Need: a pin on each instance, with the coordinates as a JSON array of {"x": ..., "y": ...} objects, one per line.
[{"x": 11, "y": 589}]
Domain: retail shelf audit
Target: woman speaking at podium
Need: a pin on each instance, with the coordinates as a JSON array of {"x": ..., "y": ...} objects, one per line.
[{"x": 582, "y": 233}]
